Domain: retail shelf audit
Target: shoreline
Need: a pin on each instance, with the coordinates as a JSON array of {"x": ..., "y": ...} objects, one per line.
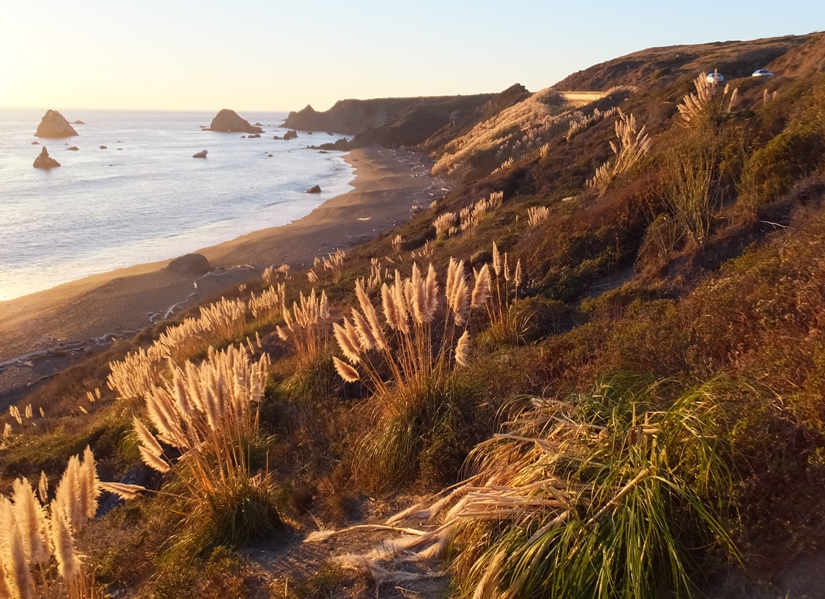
[{"x": 387, "y": 184}]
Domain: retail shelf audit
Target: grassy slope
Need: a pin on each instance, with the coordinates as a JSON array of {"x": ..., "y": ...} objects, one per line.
[{"x": 603, "y": 299}]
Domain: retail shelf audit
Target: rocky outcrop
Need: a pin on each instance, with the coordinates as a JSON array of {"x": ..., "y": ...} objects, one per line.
[
  {"x": 201, "y": 154},
  {"x": 45, "y": 161},
  {"x": 254, "y": 136},
  {"x": 73, "y": 149},
  {"x": 103, "y": 148},
  {"x": 228, "y": 121},
  {"x": 314, "y": 189},
  {"x": 54, "y": 125},
  {"x": 78, "y": 123},
  {"x": 340, "y": 145},
  {"x": 290, "y": 135},
  {"x": 190, "y": 264}
]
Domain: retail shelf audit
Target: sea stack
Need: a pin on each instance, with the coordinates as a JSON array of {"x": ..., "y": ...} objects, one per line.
[
  {"x": 54, "y": 126},
  {"x": 45, "y": 161},
  {"x": 228, "y": 121}
]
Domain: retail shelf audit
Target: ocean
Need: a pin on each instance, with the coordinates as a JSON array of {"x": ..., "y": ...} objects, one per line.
[{"x": 145, "y": 198}]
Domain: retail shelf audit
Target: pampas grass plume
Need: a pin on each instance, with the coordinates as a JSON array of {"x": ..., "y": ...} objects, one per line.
[
  {"x": 462, "y": 349},
  {"x": 345, "y": 371},
  {"x": 482, "y": 288}
]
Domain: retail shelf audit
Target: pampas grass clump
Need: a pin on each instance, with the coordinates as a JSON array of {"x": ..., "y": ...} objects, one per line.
[
  {"x": 404, "y": 353},
  {"x": 632, "y": 146},
  {"x": 208, "y": 415},
  {"x": 307, "y": 326},
  {"x": 32, "y": 537}
]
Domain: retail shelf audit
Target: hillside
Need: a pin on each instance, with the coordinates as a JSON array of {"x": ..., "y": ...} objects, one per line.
[{"x": 595, "y": 366}]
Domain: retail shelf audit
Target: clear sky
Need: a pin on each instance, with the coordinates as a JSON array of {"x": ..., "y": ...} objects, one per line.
[{"x": 278, "y": 55}]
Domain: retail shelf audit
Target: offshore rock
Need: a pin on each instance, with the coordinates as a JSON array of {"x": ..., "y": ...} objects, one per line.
[
  {"x": 45, "y": 161},
  {"x": 201, "y": 154},
  {"x": 228, "y": 121},
  {"x": 54, "y": 125}
]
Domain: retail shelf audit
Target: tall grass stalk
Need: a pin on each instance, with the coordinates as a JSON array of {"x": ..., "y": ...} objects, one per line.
[
  {"x": 505, "y": 324},
  {"x": 687, "y": 189}
]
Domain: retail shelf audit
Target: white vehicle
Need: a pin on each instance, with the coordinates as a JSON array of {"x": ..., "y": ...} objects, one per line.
[
  {"x": 762, "y": 73},
  {"x": 715, "y": 77}
]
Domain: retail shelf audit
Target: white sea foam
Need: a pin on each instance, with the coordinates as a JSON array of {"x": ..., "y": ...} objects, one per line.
[{"x": 105, "y": 209}]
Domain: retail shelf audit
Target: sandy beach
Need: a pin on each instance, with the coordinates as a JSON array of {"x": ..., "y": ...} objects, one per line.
[{"x": 388, "y": 183}]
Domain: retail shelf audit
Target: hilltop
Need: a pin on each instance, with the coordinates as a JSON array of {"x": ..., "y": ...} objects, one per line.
[{"x": 593, "y": 361}]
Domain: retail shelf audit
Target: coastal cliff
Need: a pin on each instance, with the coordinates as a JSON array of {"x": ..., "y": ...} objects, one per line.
[{"x": 386, "y": 121}]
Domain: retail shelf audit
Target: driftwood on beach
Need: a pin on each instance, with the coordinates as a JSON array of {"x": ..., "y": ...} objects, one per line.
[{"x": 61, "y": 349}]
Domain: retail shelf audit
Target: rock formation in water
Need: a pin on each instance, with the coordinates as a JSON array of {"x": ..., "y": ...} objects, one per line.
[
  {"x": 290, "y": 135},
  {"x": 314, "y": 189},
  {"x": 54, "y": 125},
  {"x": 45, "y": 161},
  {"x": 201, "y": 154},
  {"x": 228, "y": 121},
  {"x": 73, "y": 148}
]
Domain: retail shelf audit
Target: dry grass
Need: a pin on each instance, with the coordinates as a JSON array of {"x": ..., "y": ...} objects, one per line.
[
  {"x": 582, "y": 122},
  {"x": 537, "y": 214},
  {"x": 516, "y": 131},
  {"x": 269, "y": 305},
  {"x": 450, "y": 225},
  {"x": 334, "y": 262}
]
